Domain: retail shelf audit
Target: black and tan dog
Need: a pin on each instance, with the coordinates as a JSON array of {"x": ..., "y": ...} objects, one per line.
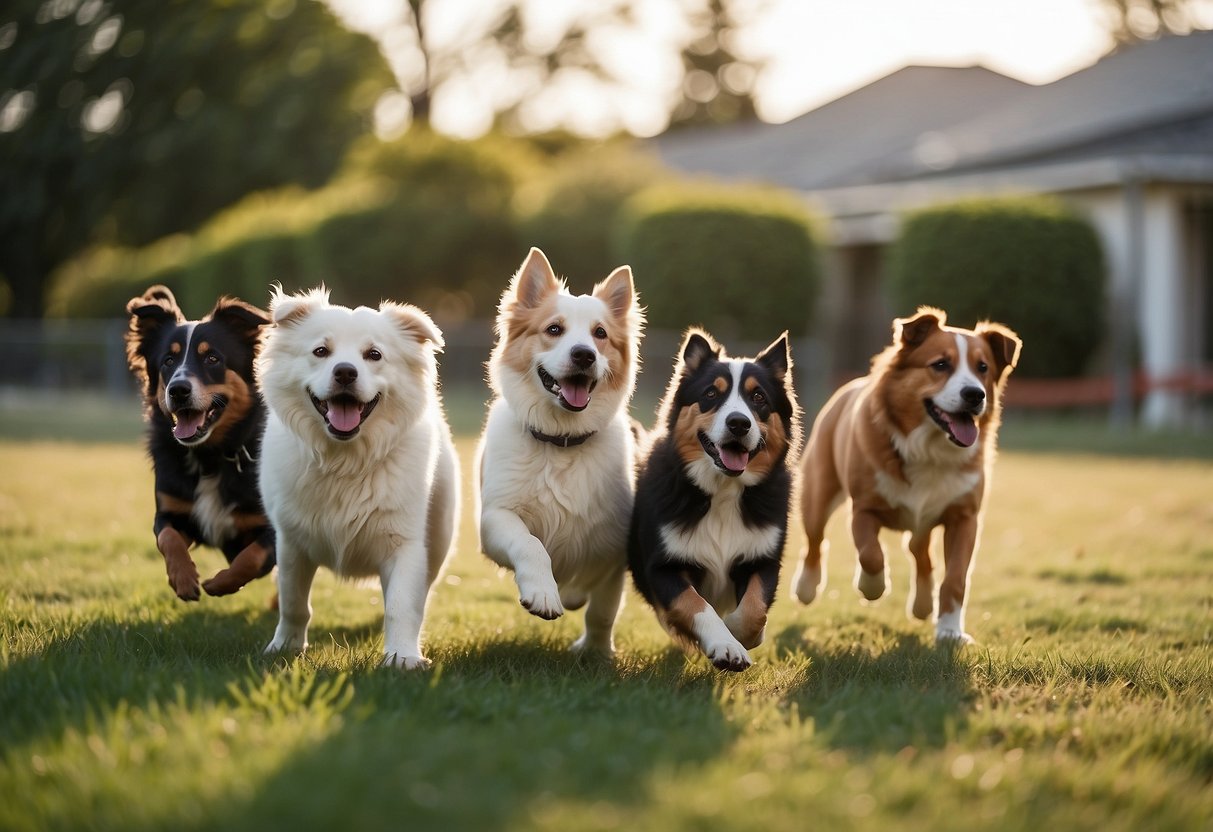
[
  {"x": 712, "y": 497},
  {"x": 205, "y": 418}
]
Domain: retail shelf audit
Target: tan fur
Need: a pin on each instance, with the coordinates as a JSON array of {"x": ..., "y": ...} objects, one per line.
[
  {"x": 749, "y": 621},
  {"x": 679, "y": 617},
  {"x": 853, "y": 452}
]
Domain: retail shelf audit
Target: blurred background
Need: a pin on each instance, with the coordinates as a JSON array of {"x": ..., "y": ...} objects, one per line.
[{"x": 762, "y": 164}]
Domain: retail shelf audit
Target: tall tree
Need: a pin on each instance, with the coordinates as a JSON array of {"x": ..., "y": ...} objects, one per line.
[
  {"x": 125, "y": 121},
  {"x": 1134, "y": 20},
  {"x": 718, "y": 82}
]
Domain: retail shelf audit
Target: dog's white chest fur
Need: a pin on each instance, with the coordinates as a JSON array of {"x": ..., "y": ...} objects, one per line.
[
  {"x": 936, "y": 476},
  {"x": 210, "y": 512},
  {"x": 577, "y": 501},
  {"x": 719, "y": 541}
]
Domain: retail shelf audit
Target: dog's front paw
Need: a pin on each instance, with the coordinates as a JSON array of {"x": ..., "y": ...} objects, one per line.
[
  {"x": 285, "y": 643},
  {"x": 592, "y": 646},
  {"x": 406, "y": 662},
  {"x": 728, "y": 655},
  {"x": 872, "y": 587},
  {"x": 184, "y": 581},
  {"x": 541, "y": 601},
  {"x": 949, "y": 629},
  {"x": 808, "y": 583},
  {"x": 224, "y": 582},
  {"x": 924, "y": 602}
]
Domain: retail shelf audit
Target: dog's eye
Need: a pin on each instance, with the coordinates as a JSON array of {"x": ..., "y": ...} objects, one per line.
[
  {"x": 321, "y": 352},
  {"x": 982, "y": 367},
  {"x": 711, "y": 392},
  {"x": 169, "y": 361},
  {"x": 211, "y": 359},
  {"x": 372, "y": 355},
  {"x": 600, "y": 333},
  {"x": 758, "y": 397},
  {"x": 554, "y": 330},
  {"x": 942, "y": 365}
]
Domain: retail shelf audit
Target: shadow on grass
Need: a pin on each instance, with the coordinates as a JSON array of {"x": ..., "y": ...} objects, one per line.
[
  {"x": 906, "y": 692},
  {"x": 494, "y": 733}
]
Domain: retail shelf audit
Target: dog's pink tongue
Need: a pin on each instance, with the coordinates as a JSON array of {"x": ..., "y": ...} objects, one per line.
[
  {"x": 734, "y": 459},
  {"x": 344, "y": 414},
  {"x": 575, "y": 393},
  {"x": 964, "y": 429},
  {"x": 188, "y": 422}
]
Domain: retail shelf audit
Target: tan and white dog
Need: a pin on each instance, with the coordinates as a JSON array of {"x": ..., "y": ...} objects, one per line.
[
  {"x": 912, "y": 445},
  {"x": 358, "y": 470},
  {"x": 556, "y": 457}
]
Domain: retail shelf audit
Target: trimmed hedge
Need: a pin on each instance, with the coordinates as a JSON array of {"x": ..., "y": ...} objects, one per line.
[
  {"x": 1029, "y": 263},
  {"x": 424, "y": 219},
  {"x": 572, "y": 213},
  {"x": 740, "y": 261}
]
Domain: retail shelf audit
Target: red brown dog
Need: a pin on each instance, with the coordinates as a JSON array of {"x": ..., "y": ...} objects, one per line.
[{"x": 911, "y": 444}]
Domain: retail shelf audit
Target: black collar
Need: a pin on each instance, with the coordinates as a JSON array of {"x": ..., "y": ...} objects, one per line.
[{"x": 564, "y": 440}]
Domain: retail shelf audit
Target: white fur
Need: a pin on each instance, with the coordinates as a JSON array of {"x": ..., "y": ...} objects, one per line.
[
  {"x": 558, "y": 517},
  {"x": 950, "y": 626},
  {"x": 934, "y": 477},
  {"x": 719, "y": 541},
  {"x": 209, "y": 512},
  {"x": 384, "y": 502},
  {"x": 949, "y": 398},
  {"x": 718, "y": 642}
]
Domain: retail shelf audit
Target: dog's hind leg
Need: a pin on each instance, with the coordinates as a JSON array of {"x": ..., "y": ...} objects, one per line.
[
  {"x": 605, "y": 600},
  {"x": 405, "y": 592},
  {"x": 818, "y": 501},
  {"x": 507, "y": 540},
  {"x": 295, "y": 575}
]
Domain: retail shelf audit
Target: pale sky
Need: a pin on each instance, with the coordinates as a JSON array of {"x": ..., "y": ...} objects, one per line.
[{"x": 817, "y": 51}]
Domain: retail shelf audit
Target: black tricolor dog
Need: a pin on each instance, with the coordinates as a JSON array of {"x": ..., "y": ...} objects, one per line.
[
  {"x": 205, "y": 418},
  {"x": 712, "y": 497}
]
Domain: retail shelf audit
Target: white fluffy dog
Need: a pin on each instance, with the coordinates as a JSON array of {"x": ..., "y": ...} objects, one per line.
[
  {"x": 556, "y": 458},
  {"x": 358, "y": 470}
]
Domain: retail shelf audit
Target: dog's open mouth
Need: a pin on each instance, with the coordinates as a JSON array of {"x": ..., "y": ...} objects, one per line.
[
  {"x": 731, "y": 457},
  {"x": 573, "y": 392},
  {"x": 960, "y": 427},
  {"x": 191, "y": 426},
  {"x": 344, "y": 414}
]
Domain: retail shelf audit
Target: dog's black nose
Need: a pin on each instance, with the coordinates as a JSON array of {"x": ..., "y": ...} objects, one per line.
[
  {"x": 973, "y": 396},
  {"x": 345, "y": 374},
  {"x": 179, "y": 391},
  {"x": 737, "y": 424},
  {"x": 582, "y": 357}
]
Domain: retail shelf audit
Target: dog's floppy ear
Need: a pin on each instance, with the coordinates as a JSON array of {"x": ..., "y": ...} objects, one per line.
[
  {"x": 534, "y": 281},
  {"x": 777, "y": 357},
  {"x": 290, "y": 309},
  {"x": 414, "y": 323},
  {"x": 1004, "y": 344},
  {"x": 617, "y": 292},
  {"x": 697, "y": 347},
  {"x": 914, "y": 330},
  {"x": 149, "y": 312},
  {"x": 239, "y": 315}
]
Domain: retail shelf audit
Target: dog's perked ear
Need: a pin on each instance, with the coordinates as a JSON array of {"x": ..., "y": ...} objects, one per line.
[
  {"x": 150, "y": 312},
  {"x": 697, "y": 347},
  {"x": 617, "y": 292},
  {"x": 533, "y": 282},
  {"x": 1004, "y": 344},
  {"x": 914, "y": 330},
  {"x": 777, "y": 357},
  {"x": 290, "y": 309},
  {"x": 414, "y": 323}
]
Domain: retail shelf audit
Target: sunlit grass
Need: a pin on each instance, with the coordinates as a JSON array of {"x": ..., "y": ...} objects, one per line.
[{"x": 1086, "y": 704}]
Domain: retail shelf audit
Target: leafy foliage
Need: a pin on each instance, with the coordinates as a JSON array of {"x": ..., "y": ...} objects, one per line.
[
  {"x": 424, "y": 219},
  {"x": 1029, "y": 263},
  {"x": 739, "y": 261},
  {"x": 129, "y": 123}
]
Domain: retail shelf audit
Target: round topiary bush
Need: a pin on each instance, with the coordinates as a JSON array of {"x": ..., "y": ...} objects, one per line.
[
  {"x": 1029, "y": 263},
  {"x": 742, "y": 262}
]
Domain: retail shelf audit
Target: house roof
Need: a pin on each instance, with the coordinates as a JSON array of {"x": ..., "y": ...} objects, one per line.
[{"x": 1148, "y": 107}]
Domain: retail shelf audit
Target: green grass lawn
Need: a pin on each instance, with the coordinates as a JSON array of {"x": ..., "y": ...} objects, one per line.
[{"x": 1087, "y": 704}]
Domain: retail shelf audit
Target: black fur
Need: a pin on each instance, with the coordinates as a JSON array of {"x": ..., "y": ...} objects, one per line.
[
  {"x": 225, "y": 461},
  {"x": 667, "y": 496}
]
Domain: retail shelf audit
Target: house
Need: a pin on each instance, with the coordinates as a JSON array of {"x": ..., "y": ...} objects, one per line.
[{"x": 1128, "y": 142}]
